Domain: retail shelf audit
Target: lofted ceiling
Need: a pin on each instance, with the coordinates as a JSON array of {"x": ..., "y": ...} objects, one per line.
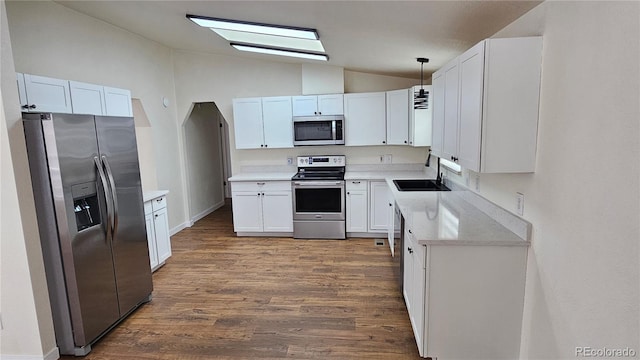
[{"x": 381, "y": 37}]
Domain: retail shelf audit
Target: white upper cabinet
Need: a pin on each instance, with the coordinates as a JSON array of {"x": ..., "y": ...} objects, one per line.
[
  {"x": 277, "y": 122},
  {"x": 420, "y": 116},
  {"x": 263, "y": 122},
  {"x": 437, "y": 126},
  {"x": 247, "y": 118},
  {"x": 310, "y": 105},
  {"x": 22, "y": 92},
  {"x": 398, "y": 116},
  {"x": 117, "y": 102},
  {"x": 87, "y": 98},
  {"x": 45, "y": 94},
  {"x": 486, "y": 106},
  {"x": 365, "y": 117},
  {"x": 451, "y": 92}
]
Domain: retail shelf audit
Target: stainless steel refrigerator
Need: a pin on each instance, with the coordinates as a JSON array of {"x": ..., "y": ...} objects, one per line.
[{"x": 88, "y": 198}]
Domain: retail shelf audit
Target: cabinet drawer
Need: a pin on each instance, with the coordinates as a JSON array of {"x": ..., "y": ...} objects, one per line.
[
  {"x": 261, "y": 186},
  {"x": 159, "y": 203},
  {"x": 148, "y": 208},
  {"x": 356, "y": 184}
]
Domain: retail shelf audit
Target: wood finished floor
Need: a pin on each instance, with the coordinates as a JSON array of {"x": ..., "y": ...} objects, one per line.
[{"x": 224, "y": 297}]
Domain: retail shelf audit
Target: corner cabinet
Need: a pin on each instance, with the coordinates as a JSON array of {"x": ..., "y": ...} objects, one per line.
[
  {"x": 486, "y": 106},
  {"x": 262, "y": 207},
  {"x": 158, "y": 239},
  {"x": 43, "y": 94},
  {"x": 263, "y": 122}
]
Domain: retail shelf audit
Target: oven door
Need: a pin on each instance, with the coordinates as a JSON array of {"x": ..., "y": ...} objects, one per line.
[{"x": 318, "y": 200}]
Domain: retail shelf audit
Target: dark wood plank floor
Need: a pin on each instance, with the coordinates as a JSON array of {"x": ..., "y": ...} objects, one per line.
[{"x": 223, "y": 297}]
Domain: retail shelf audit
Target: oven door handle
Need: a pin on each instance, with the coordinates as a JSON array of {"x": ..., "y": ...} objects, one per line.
[{"x": 317, "y": 183}]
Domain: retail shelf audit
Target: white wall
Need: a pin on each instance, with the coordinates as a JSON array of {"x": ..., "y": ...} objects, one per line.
[
  {"x": 52, "y": 40},
  {"x": 204, "y": 160},
  {"x": 26, "y": 315},
  {"x": 584, "y": 198},
  {"x": 355, "y": 81}
]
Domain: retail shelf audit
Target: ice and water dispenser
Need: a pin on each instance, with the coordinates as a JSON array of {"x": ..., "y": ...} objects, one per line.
[{"x": 85, "y": 205}]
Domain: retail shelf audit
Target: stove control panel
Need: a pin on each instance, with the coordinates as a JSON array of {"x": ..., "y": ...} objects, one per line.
[{"x": 322, "y": 161}]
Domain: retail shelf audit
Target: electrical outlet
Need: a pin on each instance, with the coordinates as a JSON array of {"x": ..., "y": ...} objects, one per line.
[
  {"x": 289, "y": 161},
  {"x": 476, "y": 182},
  {"x": 520, "y": 203}
]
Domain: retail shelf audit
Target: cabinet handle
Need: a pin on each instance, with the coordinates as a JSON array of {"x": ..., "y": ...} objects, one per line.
[
  {"x": 410, "y": 231},
  {"x": 262, "y": 194},
  {"x": 260, "y": 183},
  {"x": 390, "y": 204},
  {"x": 157, "y": 215},
  {"x": 159, "y": 200},
  {"x": 266, "y": 145},
  {"x": 348, "y": 193},
  {"x": 261, "y": 145},
  {"x": 384, "y": 142},
  {"x": 24, "y": 106},
  {"x": 258, "y": 194},
  {"x": 410, "y": 250},
  {"x": 405, "y": 141},
  {"x": 355, "y": 182},
  {"x": 32, "y": 106}
]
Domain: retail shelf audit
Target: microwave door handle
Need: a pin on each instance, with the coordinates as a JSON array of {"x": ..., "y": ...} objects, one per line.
[{"x": 333, "y": 130}]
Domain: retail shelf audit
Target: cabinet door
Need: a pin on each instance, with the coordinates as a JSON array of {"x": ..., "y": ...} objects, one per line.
[
  {"x": 356, "y": 208},
  {"x": 151, "y": 240},
  {"x": 471, "y": 94},
  {"x": 87, "y": 98},
  {"x": 277, "y": 211},
  {"x": 247, "y": 118},
  {"x": 247, "y": 211},
  {"x": 331, "y": 104},
  {"x": 305, "y": 105},
  {"x": 407, "y": 272},
  {"x": 437, "y": 127},
  {"x": 47, "y": 94},
  {"x": 22, "y": 91},
  {"x": 398, "y": 117},
  {"x": 379, "y": 208},
  {"x": 277, "y": 122},
  {"x": 117, "y": 102},
  {"x": 451, "y": 85},
  {"x": 163, "y": 241},
  {"x": 365, "y": 117},
  {"x": 418, "y": 282}
]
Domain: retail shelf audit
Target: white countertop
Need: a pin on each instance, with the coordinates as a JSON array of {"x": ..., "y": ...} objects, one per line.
[
  {"x": 445, "y": 218},
  {"x": 262, "y": 176},
  {"x": 150, "y": 195},
  {"x": 383, "y": 175}
]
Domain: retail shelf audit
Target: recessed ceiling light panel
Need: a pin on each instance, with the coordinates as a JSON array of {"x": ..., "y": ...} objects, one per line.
[
  {"x": 281, "y": 52},
  {"x": 277, "y": 30},
  {"x": 270, "y": 40}
]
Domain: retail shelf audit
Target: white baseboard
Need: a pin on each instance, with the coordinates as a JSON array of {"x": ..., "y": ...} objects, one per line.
[
  {"x": 53, "y": 354},
  {"x": 179, "y": 228},
  {"x": 207, "y": 212}
]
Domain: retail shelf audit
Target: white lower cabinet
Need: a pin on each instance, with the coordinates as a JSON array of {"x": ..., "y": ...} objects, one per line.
[
  {"x": 157, "y": 223},
  {"x": 356, "y": 205},
  {"x": 262, "y": 207},
  {"x": 379, "y": 208},
  {"x": 464, "y": 302}
]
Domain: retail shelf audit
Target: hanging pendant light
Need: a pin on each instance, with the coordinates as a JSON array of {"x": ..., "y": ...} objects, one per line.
[{"x": 422, "y": 95}]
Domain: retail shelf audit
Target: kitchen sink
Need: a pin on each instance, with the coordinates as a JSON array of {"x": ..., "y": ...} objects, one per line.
[{"x": 419, "y": 185}]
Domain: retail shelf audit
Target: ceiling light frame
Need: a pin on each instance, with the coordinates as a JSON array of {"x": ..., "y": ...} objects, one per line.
[
  {"x": 279, "y": 51},
  {"x": 255, "y": 27}
]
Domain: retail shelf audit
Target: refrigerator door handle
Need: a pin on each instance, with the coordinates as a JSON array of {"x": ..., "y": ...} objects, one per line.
[
  {"x": 114, "y": 196},
  {"x": 107, "y": 196}
]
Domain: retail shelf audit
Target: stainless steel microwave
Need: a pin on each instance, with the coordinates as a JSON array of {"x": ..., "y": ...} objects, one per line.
[{"x": 318, "y": 130}]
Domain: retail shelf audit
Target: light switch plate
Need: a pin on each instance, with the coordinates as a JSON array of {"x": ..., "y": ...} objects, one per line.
[{"x": 520, "y": 203}]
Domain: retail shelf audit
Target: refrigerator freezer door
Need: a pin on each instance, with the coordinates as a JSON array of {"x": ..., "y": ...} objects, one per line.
[
  {"x": 119, "y": 155},
  {"x": 71, "y": 146}
]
